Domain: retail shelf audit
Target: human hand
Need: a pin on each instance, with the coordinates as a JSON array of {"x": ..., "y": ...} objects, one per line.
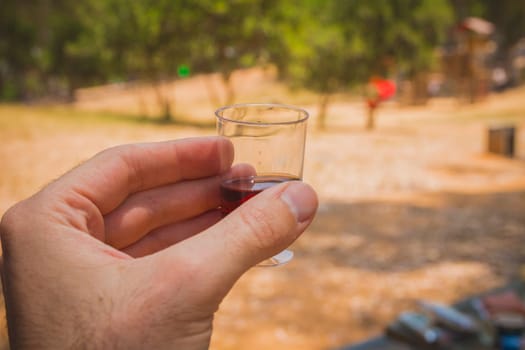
[{"x": 126, "y": 251}]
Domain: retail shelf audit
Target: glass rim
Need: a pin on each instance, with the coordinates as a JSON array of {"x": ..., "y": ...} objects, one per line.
[{"x": 305, "y": 114}]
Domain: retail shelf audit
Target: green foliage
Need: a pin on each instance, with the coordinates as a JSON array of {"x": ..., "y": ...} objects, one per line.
[
  {"x": 400, "y": 33},
  {"x": 509, "y": 19},
  {"x": 138, "y": 39},
  {"x": 326, "y": 46},
  {"x": 18, "y": 33},
  {"x": 230, "y": 34},
  {"x": 353, "y": 40}
]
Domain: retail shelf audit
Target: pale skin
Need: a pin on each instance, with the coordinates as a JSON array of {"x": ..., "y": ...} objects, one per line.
[{"x": 128, "y": 250}]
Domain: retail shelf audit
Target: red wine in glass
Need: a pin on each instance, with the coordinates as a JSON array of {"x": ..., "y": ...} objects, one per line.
[{"x": 236, "y": 191}]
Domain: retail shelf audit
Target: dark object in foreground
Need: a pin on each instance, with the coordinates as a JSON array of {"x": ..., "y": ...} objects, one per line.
[{"x": 450, "y": 332}]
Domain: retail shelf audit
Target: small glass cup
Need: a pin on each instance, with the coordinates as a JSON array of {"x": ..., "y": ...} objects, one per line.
[{"x": 269, "y": 141}]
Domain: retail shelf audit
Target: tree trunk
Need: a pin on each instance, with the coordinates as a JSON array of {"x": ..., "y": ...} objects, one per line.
[
  {"x": 370, "y": 121},
  {"x": 163, "y": 102},
  {"x": 71, "y": 88},
  {"x": 171, "y": 101},
  {"x": 230, "y": 91},
  {"x": 323, "y": 107},
  {"x": 142, "y": 104}
]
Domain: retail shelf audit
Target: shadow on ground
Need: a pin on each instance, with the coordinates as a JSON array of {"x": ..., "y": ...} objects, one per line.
[{"x": 393, "y": 236}]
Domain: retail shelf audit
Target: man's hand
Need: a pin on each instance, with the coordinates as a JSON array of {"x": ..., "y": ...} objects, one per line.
[{"x": 126, "y": 251}]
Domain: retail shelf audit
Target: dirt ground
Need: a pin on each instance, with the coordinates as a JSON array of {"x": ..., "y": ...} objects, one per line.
[{"x": 415, "y": 209}]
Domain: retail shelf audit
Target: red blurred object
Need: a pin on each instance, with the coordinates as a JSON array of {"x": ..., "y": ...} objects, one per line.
[
  {"x": 506, "y": 302},
  {"x": 385, "y": 88},
  {"x": 379, "y": 90}
]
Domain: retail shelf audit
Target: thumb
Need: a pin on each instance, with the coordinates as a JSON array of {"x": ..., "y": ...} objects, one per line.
[
  {"x": 255, "y": 231},
  {"x": 267, "y": 223}
]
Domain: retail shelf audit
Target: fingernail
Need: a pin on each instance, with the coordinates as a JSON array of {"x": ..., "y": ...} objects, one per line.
[{"x": 301, "y": 199}]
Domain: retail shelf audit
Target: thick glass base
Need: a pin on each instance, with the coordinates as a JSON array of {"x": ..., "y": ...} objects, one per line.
[{"x": 277, "y": 260}]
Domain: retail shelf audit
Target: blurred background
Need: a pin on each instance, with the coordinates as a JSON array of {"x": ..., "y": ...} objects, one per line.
[{"x": 416, "y": 142}]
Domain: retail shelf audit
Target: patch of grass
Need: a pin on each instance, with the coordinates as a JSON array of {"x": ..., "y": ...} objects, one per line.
[{"x": 16, "y": 117}]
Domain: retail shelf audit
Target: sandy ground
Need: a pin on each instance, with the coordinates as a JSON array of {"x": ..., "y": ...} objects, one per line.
[{"x": 415, "y": 209}]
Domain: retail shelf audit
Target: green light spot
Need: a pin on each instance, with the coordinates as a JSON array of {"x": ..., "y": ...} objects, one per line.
[{"x": 183, "y": 71}]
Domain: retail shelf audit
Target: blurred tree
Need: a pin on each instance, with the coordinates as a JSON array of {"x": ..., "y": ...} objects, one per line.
[
  {"x": 18, "y": 37},
  {"x": 326, "y": 46},
  {"x": 151, "y": 40},
  {"x": 33, "y": 51},
  {"x": 143, "y": 39},
  {"x": 509, "y": 19},
  {"x": 310, "y": 51},
  {"x": 342, "y": 43},
  {"x": 230, "y": 35},
  {"x": 66, "y": 68},
  {"x": 401, "y": 37}
]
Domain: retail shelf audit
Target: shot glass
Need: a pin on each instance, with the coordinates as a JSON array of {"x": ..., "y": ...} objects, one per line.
[{"x": 269, "y": 142}]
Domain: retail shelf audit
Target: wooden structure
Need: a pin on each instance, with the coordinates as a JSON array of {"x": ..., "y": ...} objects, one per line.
[
  {"x": 501, "y": 140},
  {"x": 464, "y": 63}
]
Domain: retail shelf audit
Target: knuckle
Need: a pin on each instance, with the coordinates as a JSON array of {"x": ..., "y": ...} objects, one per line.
[
  {"x": 11, "y": 218},
  {"x": 122, "y": 156},
  {"x": 7, "y": 219}
]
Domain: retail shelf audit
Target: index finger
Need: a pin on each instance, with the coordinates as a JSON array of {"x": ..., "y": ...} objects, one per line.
[{"x": 112, "y": 175}]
